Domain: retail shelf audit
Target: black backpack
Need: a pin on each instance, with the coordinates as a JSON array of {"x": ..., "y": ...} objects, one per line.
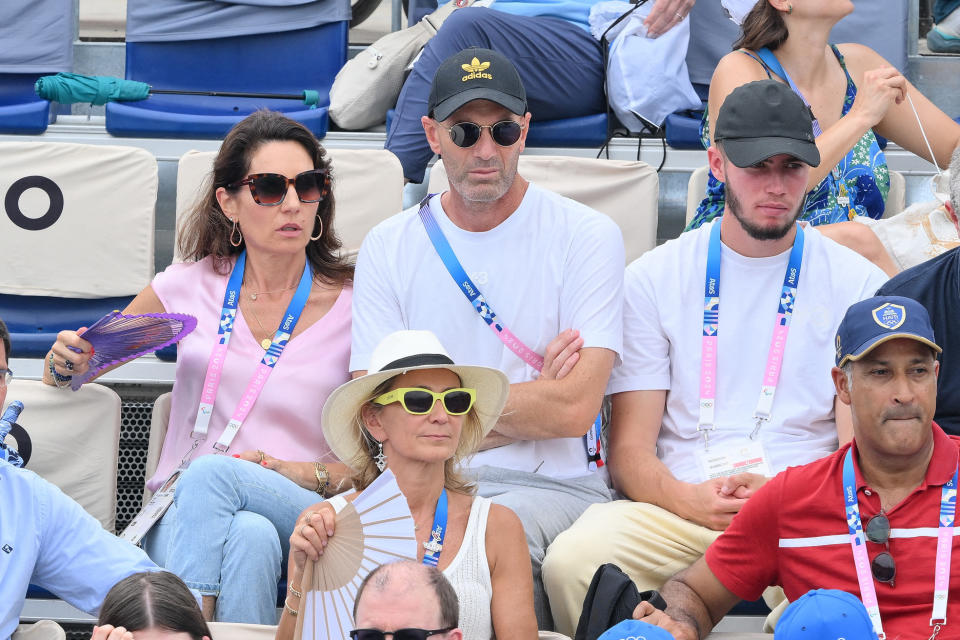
[{"x": 611, "y": 598}]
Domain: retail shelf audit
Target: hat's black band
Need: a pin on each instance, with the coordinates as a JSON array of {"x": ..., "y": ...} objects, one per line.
[{"x": 418, "y": 360}]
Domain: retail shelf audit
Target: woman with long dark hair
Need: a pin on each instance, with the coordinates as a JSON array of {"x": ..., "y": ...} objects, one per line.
[{"x": 272, "y": 297}]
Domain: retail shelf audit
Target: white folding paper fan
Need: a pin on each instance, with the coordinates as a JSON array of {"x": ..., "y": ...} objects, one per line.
[{"x": 373, "y": 529}]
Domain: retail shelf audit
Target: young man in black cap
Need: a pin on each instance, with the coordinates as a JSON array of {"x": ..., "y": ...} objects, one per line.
[
  {"x": 551, "y": 268},
  {"x": 713, "y": 396},
  {"x": 874, "y": 519}
]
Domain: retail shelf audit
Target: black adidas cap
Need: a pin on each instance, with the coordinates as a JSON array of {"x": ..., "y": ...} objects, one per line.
[
  {"x": 763, "y": 119},
  {"x": 476, "y": 74}
]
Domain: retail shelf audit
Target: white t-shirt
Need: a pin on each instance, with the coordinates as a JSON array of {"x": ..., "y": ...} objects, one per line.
[
  {"x": 663, "y": 327},
  {"x": 554, "y": 264}
]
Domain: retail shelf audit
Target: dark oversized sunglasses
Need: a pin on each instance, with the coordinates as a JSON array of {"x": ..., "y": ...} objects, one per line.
[
  {"x": 456, "y": 402},
  {"x": 269, "y": 189},
  {"x": 883, "y": 567},
  {"x": 466, "y": 134},
  {"x": 400, "y": 634}
]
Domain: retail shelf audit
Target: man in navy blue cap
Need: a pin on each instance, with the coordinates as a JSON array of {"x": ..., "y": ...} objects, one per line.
[{"x": 875, "y": 515}]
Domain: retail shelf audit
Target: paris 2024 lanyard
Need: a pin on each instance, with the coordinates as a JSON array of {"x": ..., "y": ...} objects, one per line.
[
  {"x": 162, "y": 500},
  {"x": 594, "y": 449},
  {"x": 711, "y": 330},
  {"x": 861, "y": 560}
]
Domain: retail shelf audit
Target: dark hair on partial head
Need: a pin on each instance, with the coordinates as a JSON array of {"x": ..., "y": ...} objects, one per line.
[
  {"x": 380, "y": 578},
  {"x": 763, "y": 27},
  {"x": 207, "y": 230},
  {"x": 153, "y": 600},
  {"x": 5, "y": 339}
]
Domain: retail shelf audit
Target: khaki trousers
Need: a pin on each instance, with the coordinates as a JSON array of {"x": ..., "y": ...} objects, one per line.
[{"x": 648, "y": 543}]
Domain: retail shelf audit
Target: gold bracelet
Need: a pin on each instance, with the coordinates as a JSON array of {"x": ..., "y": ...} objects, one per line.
[
  {"x": 323, "y": 477},
  {"x": 292, "y": 611},
  {"x": 295, "y": 592}
]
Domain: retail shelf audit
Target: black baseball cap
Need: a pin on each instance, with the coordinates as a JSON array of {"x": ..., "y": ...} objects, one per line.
[
  {"x": 871, "y": 322},
  {"x": 476, "y": 74},
  {"x": 763, "y": 119}
]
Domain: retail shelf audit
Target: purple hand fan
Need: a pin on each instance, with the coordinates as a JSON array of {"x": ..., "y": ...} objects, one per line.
[{"x": 117, "y": 338}]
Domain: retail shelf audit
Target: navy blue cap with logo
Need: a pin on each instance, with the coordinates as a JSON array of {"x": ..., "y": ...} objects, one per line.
[{"x": 871, "y": 322}]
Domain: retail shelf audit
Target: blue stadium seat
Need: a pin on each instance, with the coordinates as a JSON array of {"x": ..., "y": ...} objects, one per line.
[
  {"x": 585, "y": 131},
  {"x": 34, "y": 321},
  {"x": 287, "y": 62},
  {"x": 682, "y": 129},
  {"x": 21, "y": 111}
]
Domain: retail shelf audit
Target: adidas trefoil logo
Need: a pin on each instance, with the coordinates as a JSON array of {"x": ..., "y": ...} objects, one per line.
[{"x": 475, "y": 70}]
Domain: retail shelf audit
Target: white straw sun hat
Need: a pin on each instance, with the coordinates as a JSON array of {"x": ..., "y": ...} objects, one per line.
[{"x": 396, "y": 354}]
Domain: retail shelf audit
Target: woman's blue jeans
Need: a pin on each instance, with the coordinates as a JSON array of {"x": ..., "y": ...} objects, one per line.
[{"x": 228, "y": 534}]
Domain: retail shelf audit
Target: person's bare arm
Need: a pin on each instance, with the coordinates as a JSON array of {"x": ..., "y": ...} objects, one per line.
[
  {"x": 558, "y": 408},
  {"x": 696, "y": 602},
  {"x": 511, "y": 607},
  {"x": 639, "y": 474},
  {"x": 899, "y": 123},
  {"x": 145, "y": 302}
]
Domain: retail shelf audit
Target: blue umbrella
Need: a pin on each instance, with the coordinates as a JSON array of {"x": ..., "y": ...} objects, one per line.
[{"x": 67, "y": 88}]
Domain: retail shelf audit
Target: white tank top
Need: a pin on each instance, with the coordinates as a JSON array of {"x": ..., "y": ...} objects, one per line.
[{"x": 469, "y": 574}]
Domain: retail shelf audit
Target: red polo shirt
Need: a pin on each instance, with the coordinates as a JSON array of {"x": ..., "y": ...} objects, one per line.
[{"x": 793, "y": 533}]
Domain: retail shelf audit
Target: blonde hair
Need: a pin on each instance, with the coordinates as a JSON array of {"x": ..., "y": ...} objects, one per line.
[{"x": 365, "y": 468}]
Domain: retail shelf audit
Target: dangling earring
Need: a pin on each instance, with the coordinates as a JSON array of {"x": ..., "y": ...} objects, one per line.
[
  {"x": 789, "y": 9},
  {"x": 235, "y": 230},
  {"x": 381, "y": 458},
  {"x": 317, "y": 237}
]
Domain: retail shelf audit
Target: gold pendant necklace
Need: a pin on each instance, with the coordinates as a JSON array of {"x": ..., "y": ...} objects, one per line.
[
  {"x": 266, "y": 342},
  {"x": 253, "y": 294}
]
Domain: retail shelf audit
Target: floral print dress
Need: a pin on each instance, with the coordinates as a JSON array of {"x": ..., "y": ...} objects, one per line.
[{"x": 857, "y": 186}]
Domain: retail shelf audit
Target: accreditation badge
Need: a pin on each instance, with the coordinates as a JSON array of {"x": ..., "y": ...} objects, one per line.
[
  {"x": 153, "y": 511},
  {"x": 722, "y": 461}
]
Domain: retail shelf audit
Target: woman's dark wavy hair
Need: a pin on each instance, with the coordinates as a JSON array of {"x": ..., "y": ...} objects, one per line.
[
  {"x": 207, "y": 231},
  {"x": 763, "y": 27},
  {"x": 153, "y": 600}
]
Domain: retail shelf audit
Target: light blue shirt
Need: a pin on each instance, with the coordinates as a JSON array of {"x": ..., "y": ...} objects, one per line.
[
  {"x": 575, "y": 11},
  {"x": 48, "y": 540}
]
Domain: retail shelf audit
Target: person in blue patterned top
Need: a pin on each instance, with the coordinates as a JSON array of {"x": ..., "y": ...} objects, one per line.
[{"x": 852, "y": 91}]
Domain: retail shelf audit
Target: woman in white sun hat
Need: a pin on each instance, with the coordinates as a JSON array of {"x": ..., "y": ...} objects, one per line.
[{"x": 420, "y": 414}]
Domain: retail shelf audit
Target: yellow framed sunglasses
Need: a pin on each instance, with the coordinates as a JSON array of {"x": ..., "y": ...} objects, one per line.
[{"x": 418, "y": 401}]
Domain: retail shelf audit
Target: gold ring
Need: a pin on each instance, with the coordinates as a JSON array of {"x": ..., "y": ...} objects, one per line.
[{"x": 261, "y": 455}]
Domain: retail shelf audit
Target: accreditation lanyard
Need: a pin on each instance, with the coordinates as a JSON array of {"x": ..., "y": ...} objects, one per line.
[
  {"x": 211, "y": 382},
  {"x": 941, "y": 574},
  {"x": 595, "y": 454},
  {"x": 433, "y": 546},
  {"x": 771, "y": 62},
  {"x": 711, "y": 330}
]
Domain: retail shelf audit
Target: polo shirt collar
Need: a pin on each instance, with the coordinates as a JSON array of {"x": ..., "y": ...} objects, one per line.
[{"x": 943, "y": 462}]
